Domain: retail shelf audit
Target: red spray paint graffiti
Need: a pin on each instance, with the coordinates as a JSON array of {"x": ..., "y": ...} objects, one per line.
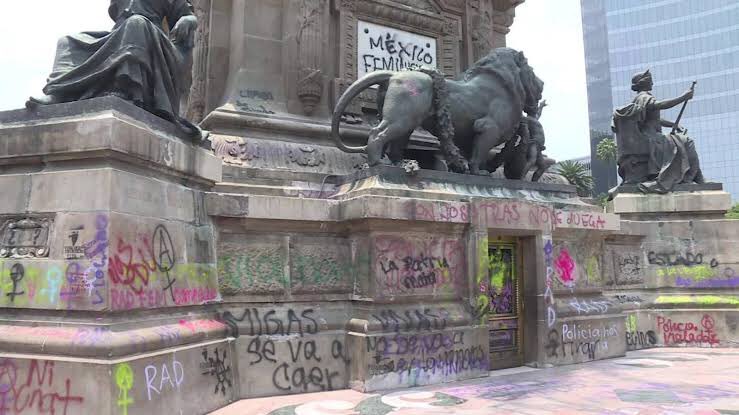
[
  {"x": 34, "y": 390},
  {"x": 675, "y": 332}
]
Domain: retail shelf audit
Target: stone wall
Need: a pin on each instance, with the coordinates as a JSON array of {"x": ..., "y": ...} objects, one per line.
[
  {"x": 134, "y": 279},
  {"x": 676, "y": 282}
]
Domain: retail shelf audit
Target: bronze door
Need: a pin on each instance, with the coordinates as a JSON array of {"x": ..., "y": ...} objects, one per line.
[{"x": 504, "y": 313}]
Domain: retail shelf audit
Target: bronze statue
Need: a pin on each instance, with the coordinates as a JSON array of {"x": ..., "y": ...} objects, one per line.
[
  {"x": 137, "y": 60},
  {"x": 525, "y": 151},
  {"x": 470, "y": 116},
  {"x": 654, "y": 161}
]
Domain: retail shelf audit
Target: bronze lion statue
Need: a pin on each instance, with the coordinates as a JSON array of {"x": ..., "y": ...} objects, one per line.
[{"x": 470, "y": 116}]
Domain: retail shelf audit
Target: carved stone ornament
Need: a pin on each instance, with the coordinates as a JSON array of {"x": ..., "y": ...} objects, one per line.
[
  {"x": 348, "y": 5},
  {"x": 232, "y": 149},
  {"x": 307, "y": 156},
  {"x": 310, "y": 89},
  {"x": 196, "y": 101},
  {"x": 418, "y": 4},
  {"x": 25, "y": 238},
  {"x": 505, "y": 12}
]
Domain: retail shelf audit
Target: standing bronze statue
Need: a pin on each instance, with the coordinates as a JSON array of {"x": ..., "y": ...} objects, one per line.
[
  {"x": 654, "y": 161},
  {"x": 137, "y": 60}
]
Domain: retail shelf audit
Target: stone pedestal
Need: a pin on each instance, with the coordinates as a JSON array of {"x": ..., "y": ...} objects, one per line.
[
  {"x": 107, "y": 264},
  {"x": 674, "y": 267},
  {"x": 384, "y": 277},
  {"x": 151, "y": 279},
  {"x": 687, "y": 201}
]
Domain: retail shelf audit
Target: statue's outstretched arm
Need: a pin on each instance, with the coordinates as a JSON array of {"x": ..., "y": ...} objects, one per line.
[
  {"x": 666, "y": 123},
  {"x": 669, "y": 103}
]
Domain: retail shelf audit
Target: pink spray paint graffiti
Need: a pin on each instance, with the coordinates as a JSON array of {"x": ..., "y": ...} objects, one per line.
[{"x": 565, "y": 267}]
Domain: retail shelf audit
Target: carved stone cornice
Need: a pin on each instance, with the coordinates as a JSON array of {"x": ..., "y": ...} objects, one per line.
[
  {"x": 396, "y": 13},
  {"x": 346, "y": 5},
  {"x": 453, "y": 5},
  {"x": 503, "y": 5},
  {"x": 426, "y": 5},
  {"x": 505, "y": 12}
]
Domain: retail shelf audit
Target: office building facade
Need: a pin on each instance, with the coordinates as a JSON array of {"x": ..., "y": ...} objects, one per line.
[{"x": 680, "y": 41}]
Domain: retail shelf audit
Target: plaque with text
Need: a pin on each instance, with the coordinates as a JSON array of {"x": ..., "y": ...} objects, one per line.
[
  {"x": 385, "y": 48},
  {"x": 25, "y": 238}
]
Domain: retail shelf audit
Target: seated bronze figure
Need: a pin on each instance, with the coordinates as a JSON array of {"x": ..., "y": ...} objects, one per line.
[
  {"x": 137, "y": 60},
  {"x": 646, "y": 157}
]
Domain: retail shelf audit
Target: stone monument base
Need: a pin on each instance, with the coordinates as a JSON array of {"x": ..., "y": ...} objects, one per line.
[
  {"x": 687, "y": 201},
  {"x": 107, "y": 265}
]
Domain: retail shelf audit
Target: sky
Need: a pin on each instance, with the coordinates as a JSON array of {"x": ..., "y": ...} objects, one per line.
[{"x": 548, "y": 31}]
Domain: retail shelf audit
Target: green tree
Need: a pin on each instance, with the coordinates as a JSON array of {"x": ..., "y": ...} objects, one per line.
[
  {"x": 577, "y": 174},
  {"x": 606, "y": 150},
  {"x": 733, "y": 213}
]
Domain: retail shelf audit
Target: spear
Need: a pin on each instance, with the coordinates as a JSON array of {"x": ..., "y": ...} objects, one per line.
[{"x": 680, "y": 115}]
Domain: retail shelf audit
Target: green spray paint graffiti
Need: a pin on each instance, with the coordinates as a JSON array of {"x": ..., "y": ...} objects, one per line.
[
  {"x": 483, "y": 277},
  {"x": 502, "y": 279},
  {"x": 124, "y": 381},
  {"x": 631, "y": 323},
  {"x": 698, "y": 299}
]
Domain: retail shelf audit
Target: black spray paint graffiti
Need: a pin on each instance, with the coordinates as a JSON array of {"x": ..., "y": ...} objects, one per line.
[
  {"x": 414, "y": 320},
  {"x": 429, "y": 354},
  {"x": 278, "y": 345},
  {"x": 639, "y": 339},
  {"x": 671, "y": 259},
  {"x": 164, "y": 256},
  {"x": 270, "y": 324},
  {"x": 215, "y": 366},
  {"x": 553, "y": 343},
  {"x": 387, "y": 53},
  {"x": 400, "y": 344},
  {"x": 17, "y": 272},
  {"x": 627, "y": 270},
  {"x": 623, "y": 299},
  {"x": 578, "y": 341},
  {"x": 304, "y": 369},
  {"x": 420, "y": 271},
  {"x": 556, "y": 347}
]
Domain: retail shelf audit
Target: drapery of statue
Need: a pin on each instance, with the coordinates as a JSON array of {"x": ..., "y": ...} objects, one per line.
[
  {"x": 137, "y": 60},
  {"x": 471, "y": 116},
  {"x": 646, "y": 157}
]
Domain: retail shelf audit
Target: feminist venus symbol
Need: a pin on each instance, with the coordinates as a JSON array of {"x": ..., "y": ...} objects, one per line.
[{"x": 124, "y": 381}]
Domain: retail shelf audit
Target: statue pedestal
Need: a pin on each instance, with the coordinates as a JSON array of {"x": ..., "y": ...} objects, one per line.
[
  {"x": 674, "y": 263},
  {"x": 121, "y": 244},
  {"x": 694, "y": 201},
  {"x": 107, "y": 262}
]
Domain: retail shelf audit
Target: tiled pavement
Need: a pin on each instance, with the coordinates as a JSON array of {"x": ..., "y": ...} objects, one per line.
[{"x": 649, "y": 382}]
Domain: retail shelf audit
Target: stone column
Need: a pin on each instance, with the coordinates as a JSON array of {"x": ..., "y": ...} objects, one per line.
[
  {"x": 309, "y": 41},
  {"x": 479, "y": 29},
  {"x": 195, "y": 110},
  {"x": 504, "y": 12}
]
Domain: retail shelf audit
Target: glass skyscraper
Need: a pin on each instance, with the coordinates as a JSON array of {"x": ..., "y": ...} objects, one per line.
[{"x": 680, "y": 41}]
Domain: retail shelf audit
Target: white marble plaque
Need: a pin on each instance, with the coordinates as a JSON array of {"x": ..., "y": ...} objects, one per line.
[{"x": 381, "y": 47}]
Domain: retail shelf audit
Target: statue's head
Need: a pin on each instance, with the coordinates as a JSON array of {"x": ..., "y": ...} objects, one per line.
[
  {"x": 642, "y": 81},
  {"x": 511, "y": 65},
  {"x": 532, "y": 85}
]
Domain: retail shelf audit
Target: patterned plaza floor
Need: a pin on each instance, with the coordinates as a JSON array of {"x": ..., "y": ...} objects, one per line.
[{"x": 648, "y": 382}]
